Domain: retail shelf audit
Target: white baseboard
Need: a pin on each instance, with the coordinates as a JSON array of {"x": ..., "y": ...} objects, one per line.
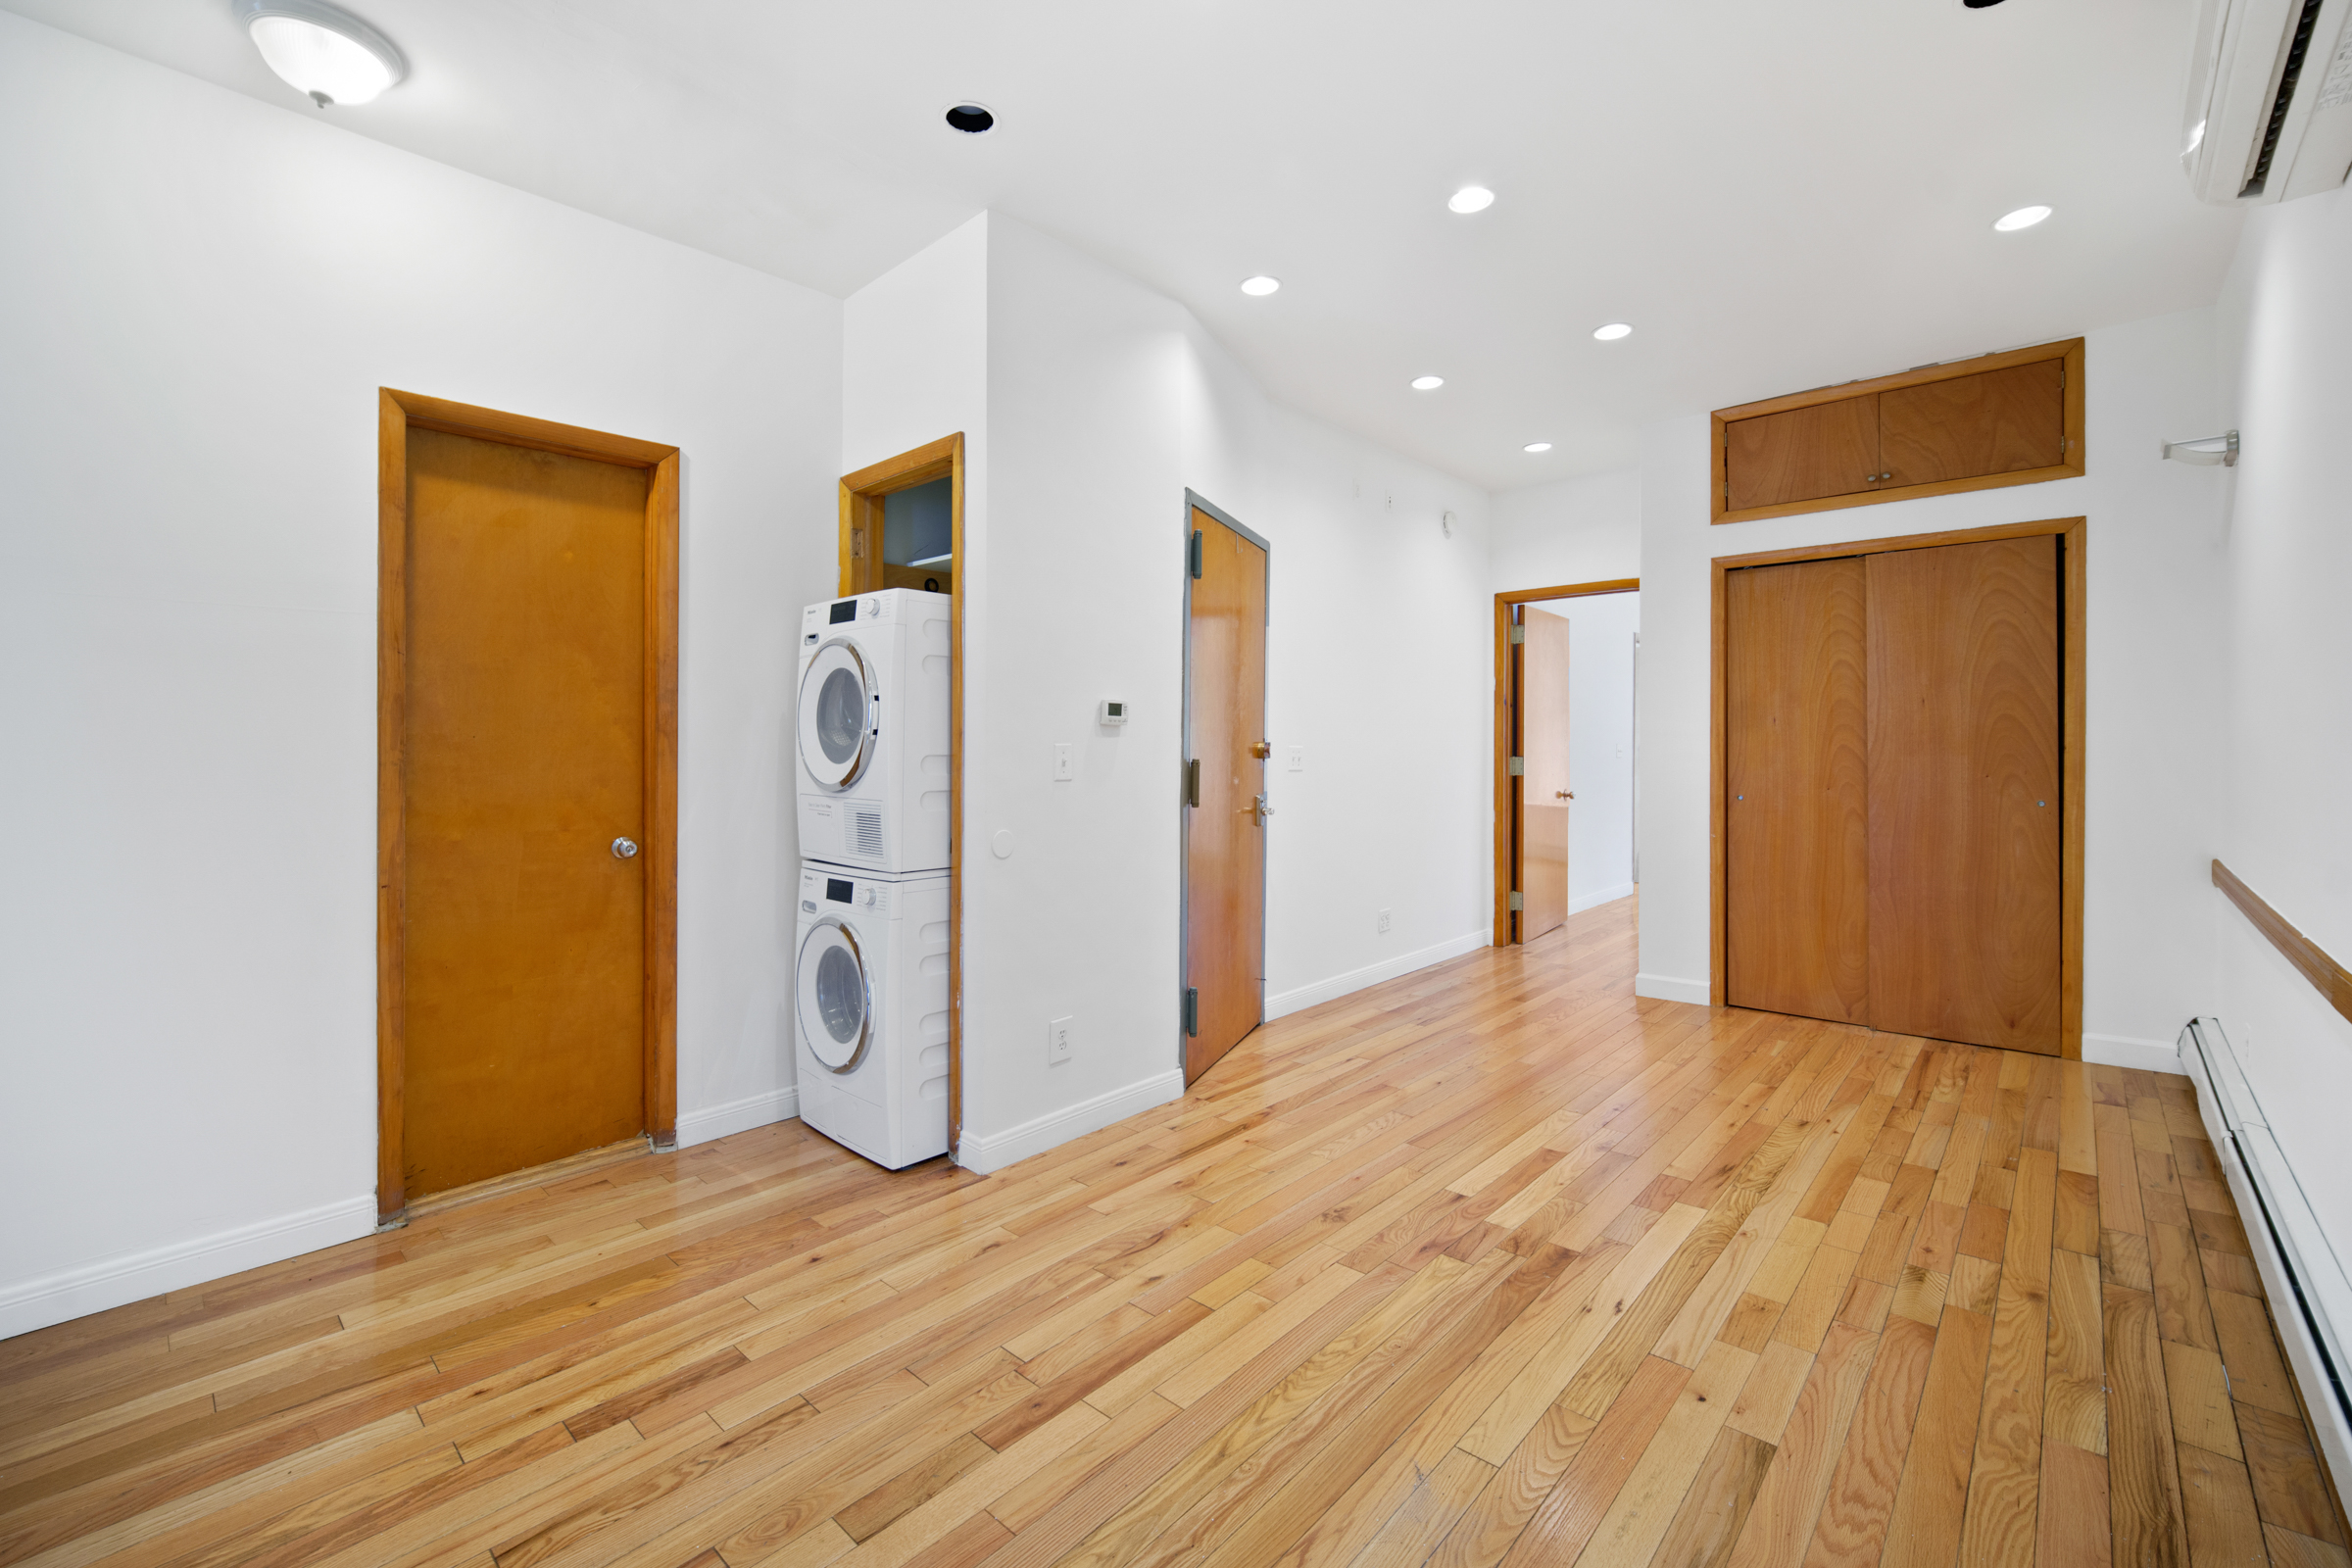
[
  {"x": 1299, "y": 1000},
  {"x": 738, "y": 1115},
  {"x": 135, "y": 1276},
  {"x": 1673, "y": 988},
  {"x": 2122, "y": 1050},
  {"x": 1593, "y": 900},
  {"x": 989, "y": 1152}
]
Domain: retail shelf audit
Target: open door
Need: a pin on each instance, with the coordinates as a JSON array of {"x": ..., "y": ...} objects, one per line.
[
  {"x": 1543, "y": 794},
  {"x": 1225, "y": 808}
]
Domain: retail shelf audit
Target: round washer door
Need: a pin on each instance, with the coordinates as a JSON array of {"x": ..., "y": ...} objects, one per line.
[
  {"x": 835, "y": 995},
  {"x": 837, "y": 709}
]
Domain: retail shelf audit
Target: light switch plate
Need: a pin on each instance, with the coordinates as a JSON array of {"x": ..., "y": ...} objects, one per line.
[
  {"x": 1063, "y": 767},
  {"x": 1057, "y": 1041}
]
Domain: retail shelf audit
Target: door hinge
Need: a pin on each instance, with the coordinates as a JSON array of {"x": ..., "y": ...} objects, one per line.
[
  {"x": 1518, "y": 901},
  {"x": 1195, "y": 553},
  {"x": 1518, "y": 766},
  {"x": 856, "y": 544},
  {"x": 1518, "y": 634},
  {"x": 1192, "y": 782},
  {"x": 1192, "y": 1010}
]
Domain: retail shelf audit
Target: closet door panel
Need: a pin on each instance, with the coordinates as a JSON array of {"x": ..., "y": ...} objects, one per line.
[
  {"x": 1797, "y": 867},
  {"x": 1965, "y": 814},
  {"x": 1830, "y": 449},
  {"x": 2001, "y": 421}
]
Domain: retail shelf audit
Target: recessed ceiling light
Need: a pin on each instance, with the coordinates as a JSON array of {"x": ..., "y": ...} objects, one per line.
[
  {"x": 1427, "y": 383},
  {"x": 1613, "y": 331},
  {"x": 970, "y": 118},
  {"x": 2023, "y": 217},
  {"x": 1261, "y": 285},
  {"x": 1536, "y": 446},
  {"x": 1471, "y": 199},
  {"x": 331, "y": 55}
]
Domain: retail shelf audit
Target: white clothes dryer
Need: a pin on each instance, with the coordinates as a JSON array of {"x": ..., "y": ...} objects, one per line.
[
  {"x": 870, "y": 1009},
  {"x": 874, "y": 731}
]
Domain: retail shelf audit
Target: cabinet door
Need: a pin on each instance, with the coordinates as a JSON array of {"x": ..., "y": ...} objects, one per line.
[
  {"x": 1830, "y": 449},
  {"x": 1797, "y": 823},
  {"x": 2002, "y": 421},
  {"x": 1964, "y": 808}
]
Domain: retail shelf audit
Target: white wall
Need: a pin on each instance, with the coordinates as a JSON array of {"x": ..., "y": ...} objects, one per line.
[
  {"x": 2284, "y": 737},
  {"x": 1575, "y": 531},
  {"x": 199, "y": 296},
  {"x": 2155, "y": 694},
  {"x": 1602, "y": 628}
]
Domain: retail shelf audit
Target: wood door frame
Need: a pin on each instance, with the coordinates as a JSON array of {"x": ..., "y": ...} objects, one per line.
[
  {"x": 2073, "y": 586},
  {"x": 398, "y": 413},
  {"x": 860, "y": 559},
  {"x": 2069, "y": 350},
  {"x": 1195, "y": 501},
  {"x": 1506, "y": 799}
]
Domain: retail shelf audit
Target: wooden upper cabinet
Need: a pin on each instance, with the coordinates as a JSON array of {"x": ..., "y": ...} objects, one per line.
[{"x": 1973, "y": 424}]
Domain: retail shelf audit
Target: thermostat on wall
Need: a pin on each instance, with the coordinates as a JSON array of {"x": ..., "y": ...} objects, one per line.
[{"x": 1112, "y": 713}]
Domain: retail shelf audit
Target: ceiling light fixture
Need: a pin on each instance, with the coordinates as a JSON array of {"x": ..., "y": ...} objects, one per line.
[
  {"x": 1260, "y": 286},
  {"x": 1613, "y": 331},
  {"x": 331, "y": 55},
  {"x": 1536, "y": 446},
  {"x": 971, "y": 119},
  {"x": 2023, "y": 217},
  {"x": 1427, "y": 383},
  {"x": 1471, "y": 199}
]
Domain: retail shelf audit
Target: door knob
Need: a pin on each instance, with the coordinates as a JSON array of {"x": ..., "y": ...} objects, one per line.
[
  {"x": 1262, "y": 809},
  {"x": 1564, "y": 795},
  {"x": 1261, "y": 750},
  {"x": 624, "y": 848}
]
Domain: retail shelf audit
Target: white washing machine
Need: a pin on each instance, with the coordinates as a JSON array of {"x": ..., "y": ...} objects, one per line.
[
  {"x": 874, "y": 731},
  {"x": 870, "y": 1004}
]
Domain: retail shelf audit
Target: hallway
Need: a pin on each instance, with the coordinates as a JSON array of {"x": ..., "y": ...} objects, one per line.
[{"x": 1492, "y": 1263}]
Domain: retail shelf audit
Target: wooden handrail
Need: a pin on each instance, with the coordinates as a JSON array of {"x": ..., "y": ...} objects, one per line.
[{"x": 2309, "y": 959}]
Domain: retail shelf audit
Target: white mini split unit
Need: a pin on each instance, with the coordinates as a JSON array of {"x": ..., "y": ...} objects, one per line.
[{"x": 2270, "y": 100}]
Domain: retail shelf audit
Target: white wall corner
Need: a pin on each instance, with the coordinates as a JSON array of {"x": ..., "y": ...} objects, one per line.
[
  {"x": 2122, "y": 1050},
  {"x": 1283, "y": 1003},
  {"x": 993, "y": 1152},
  {"x": 111, "y": 1282},
  {"x": 738, "y": 1115},
  {"x": 1672, "y": 988}
]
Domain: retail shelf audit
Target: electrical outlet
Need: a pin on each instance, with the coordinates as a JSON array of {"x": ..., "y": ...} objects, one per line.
[
  {"x": 1383, "y": 922},
  {"x": 1057, "y": 1042},
  {"x": 1063, "y": 767},
  {"x": 1297, "y": 759}
]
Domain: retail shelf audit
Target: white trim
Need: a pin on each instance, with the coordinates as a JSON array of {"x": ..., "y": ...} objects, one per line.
[
  {"x": 989, "y": 1152},
  {"x": 74, "y": 1292},
  {"x": 2122, "y": 1050},
  {"x": 1593, "y": 900},
  {"x": 738, "y": 1115},
  {"x": 1284, "y": 1003},
  {"x": 1673, "y": 988}
]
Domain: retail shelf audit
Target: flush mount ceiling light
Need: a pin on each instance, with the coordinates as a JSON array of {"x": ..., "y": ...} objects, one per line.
[
  {"x": 1471, "y": 199},
  {"x": 1613, "y": 331},
  {"x": 1536, "y": 446},
  {"x": 1261, "y": 285},
  {"x": 331, "y": 55},
  {"x": 2023, "y": 217},
  {"x": 1427, "y": 383},
  {"x": 971, "y": 119}
]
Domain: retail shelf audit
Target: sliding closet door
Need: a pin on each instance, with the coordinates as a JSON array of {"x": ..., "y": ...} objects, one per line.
[
  {"x": 1796, "y": 870},
  {"x": 1965, "y": 932}
]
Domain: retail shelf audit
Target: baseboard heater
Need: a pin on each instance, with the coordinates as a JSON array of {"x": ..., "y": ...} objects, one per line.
[{"x": 2311, "y": 1299}]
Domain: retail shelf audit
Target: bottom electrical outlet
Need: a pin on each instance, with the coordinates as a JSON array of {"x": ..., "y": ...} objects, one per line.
[
  {"x": 1057, "y": 1042},
  {"x": 1384, "y": 921}
]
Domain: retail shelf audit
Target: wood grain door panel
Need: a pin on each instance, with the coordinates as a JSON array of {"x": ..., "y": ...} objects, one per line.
[
  {"x": 1225, "y": 854},
  {"x": 1999, "y": 421},
  {"x": 526, "y": 949},
  {"x": 1544, "y": 787},
  {"x": 1830, "y": 448},
  {"x": 1964, "y": 816},
  {"x": 1796, "y": 782}
]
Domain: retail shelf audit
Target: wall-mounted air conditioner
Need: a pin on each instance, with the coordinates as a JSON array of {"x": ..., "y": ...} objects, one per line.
[{"x": 2270, "y": 100}]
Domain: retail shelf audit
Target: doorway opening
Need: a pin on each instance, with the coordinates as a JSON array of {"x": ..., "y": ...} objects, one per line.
[{"x": 1563, "y": 729}]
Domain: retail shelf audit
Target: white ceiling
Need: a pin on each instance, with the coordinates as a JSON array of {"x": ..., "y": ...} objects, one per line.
[{"x": 1776, "y": 196}]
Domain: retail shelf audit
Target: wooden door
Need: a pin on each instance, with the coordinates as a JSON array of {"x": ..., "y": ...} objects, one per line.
[
  {"x": 1965, "y": 931},
  {"x": 1796, "y": 778},
  {"x": 1543, "y": 793},
  {"x": 525, "y": 953},
  {"x": 1225, "y": 843},
  {"x": 1999, "y": 421},
  {"x": 1830, "y": 448}
]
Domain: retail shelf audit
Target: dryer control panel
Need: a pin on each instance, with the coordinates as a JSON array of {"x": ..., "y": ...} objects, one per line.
[{"x": 819, "y": 891}]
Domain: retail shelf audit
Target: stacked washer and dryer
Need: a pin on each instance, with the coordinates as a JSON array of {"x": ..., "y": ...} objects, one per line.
[{"x": 871, "y": 979}]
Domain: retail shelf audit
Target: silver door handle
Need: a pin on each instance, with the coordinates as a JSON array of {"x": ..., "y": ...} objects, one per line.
[
  {"x": 1263, "y": 809},
  {"x": 624, "y": 848}
]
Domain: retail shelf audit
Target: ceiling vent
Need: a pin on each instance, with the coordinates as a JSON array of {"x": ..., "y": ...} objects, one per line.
[{"x": 2270, "y": 100}]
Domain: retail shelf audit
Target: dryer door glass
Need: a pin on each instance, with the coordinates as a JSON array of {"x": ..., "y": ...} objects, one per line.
[
  {"x": 837, "y": 715},
  {"x": 836, "y": 998}
]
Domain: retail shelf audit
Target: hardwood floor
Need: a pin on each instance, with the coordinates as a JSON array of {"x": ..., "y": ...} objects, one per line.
[{"x": 1491, "y": 1264}]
